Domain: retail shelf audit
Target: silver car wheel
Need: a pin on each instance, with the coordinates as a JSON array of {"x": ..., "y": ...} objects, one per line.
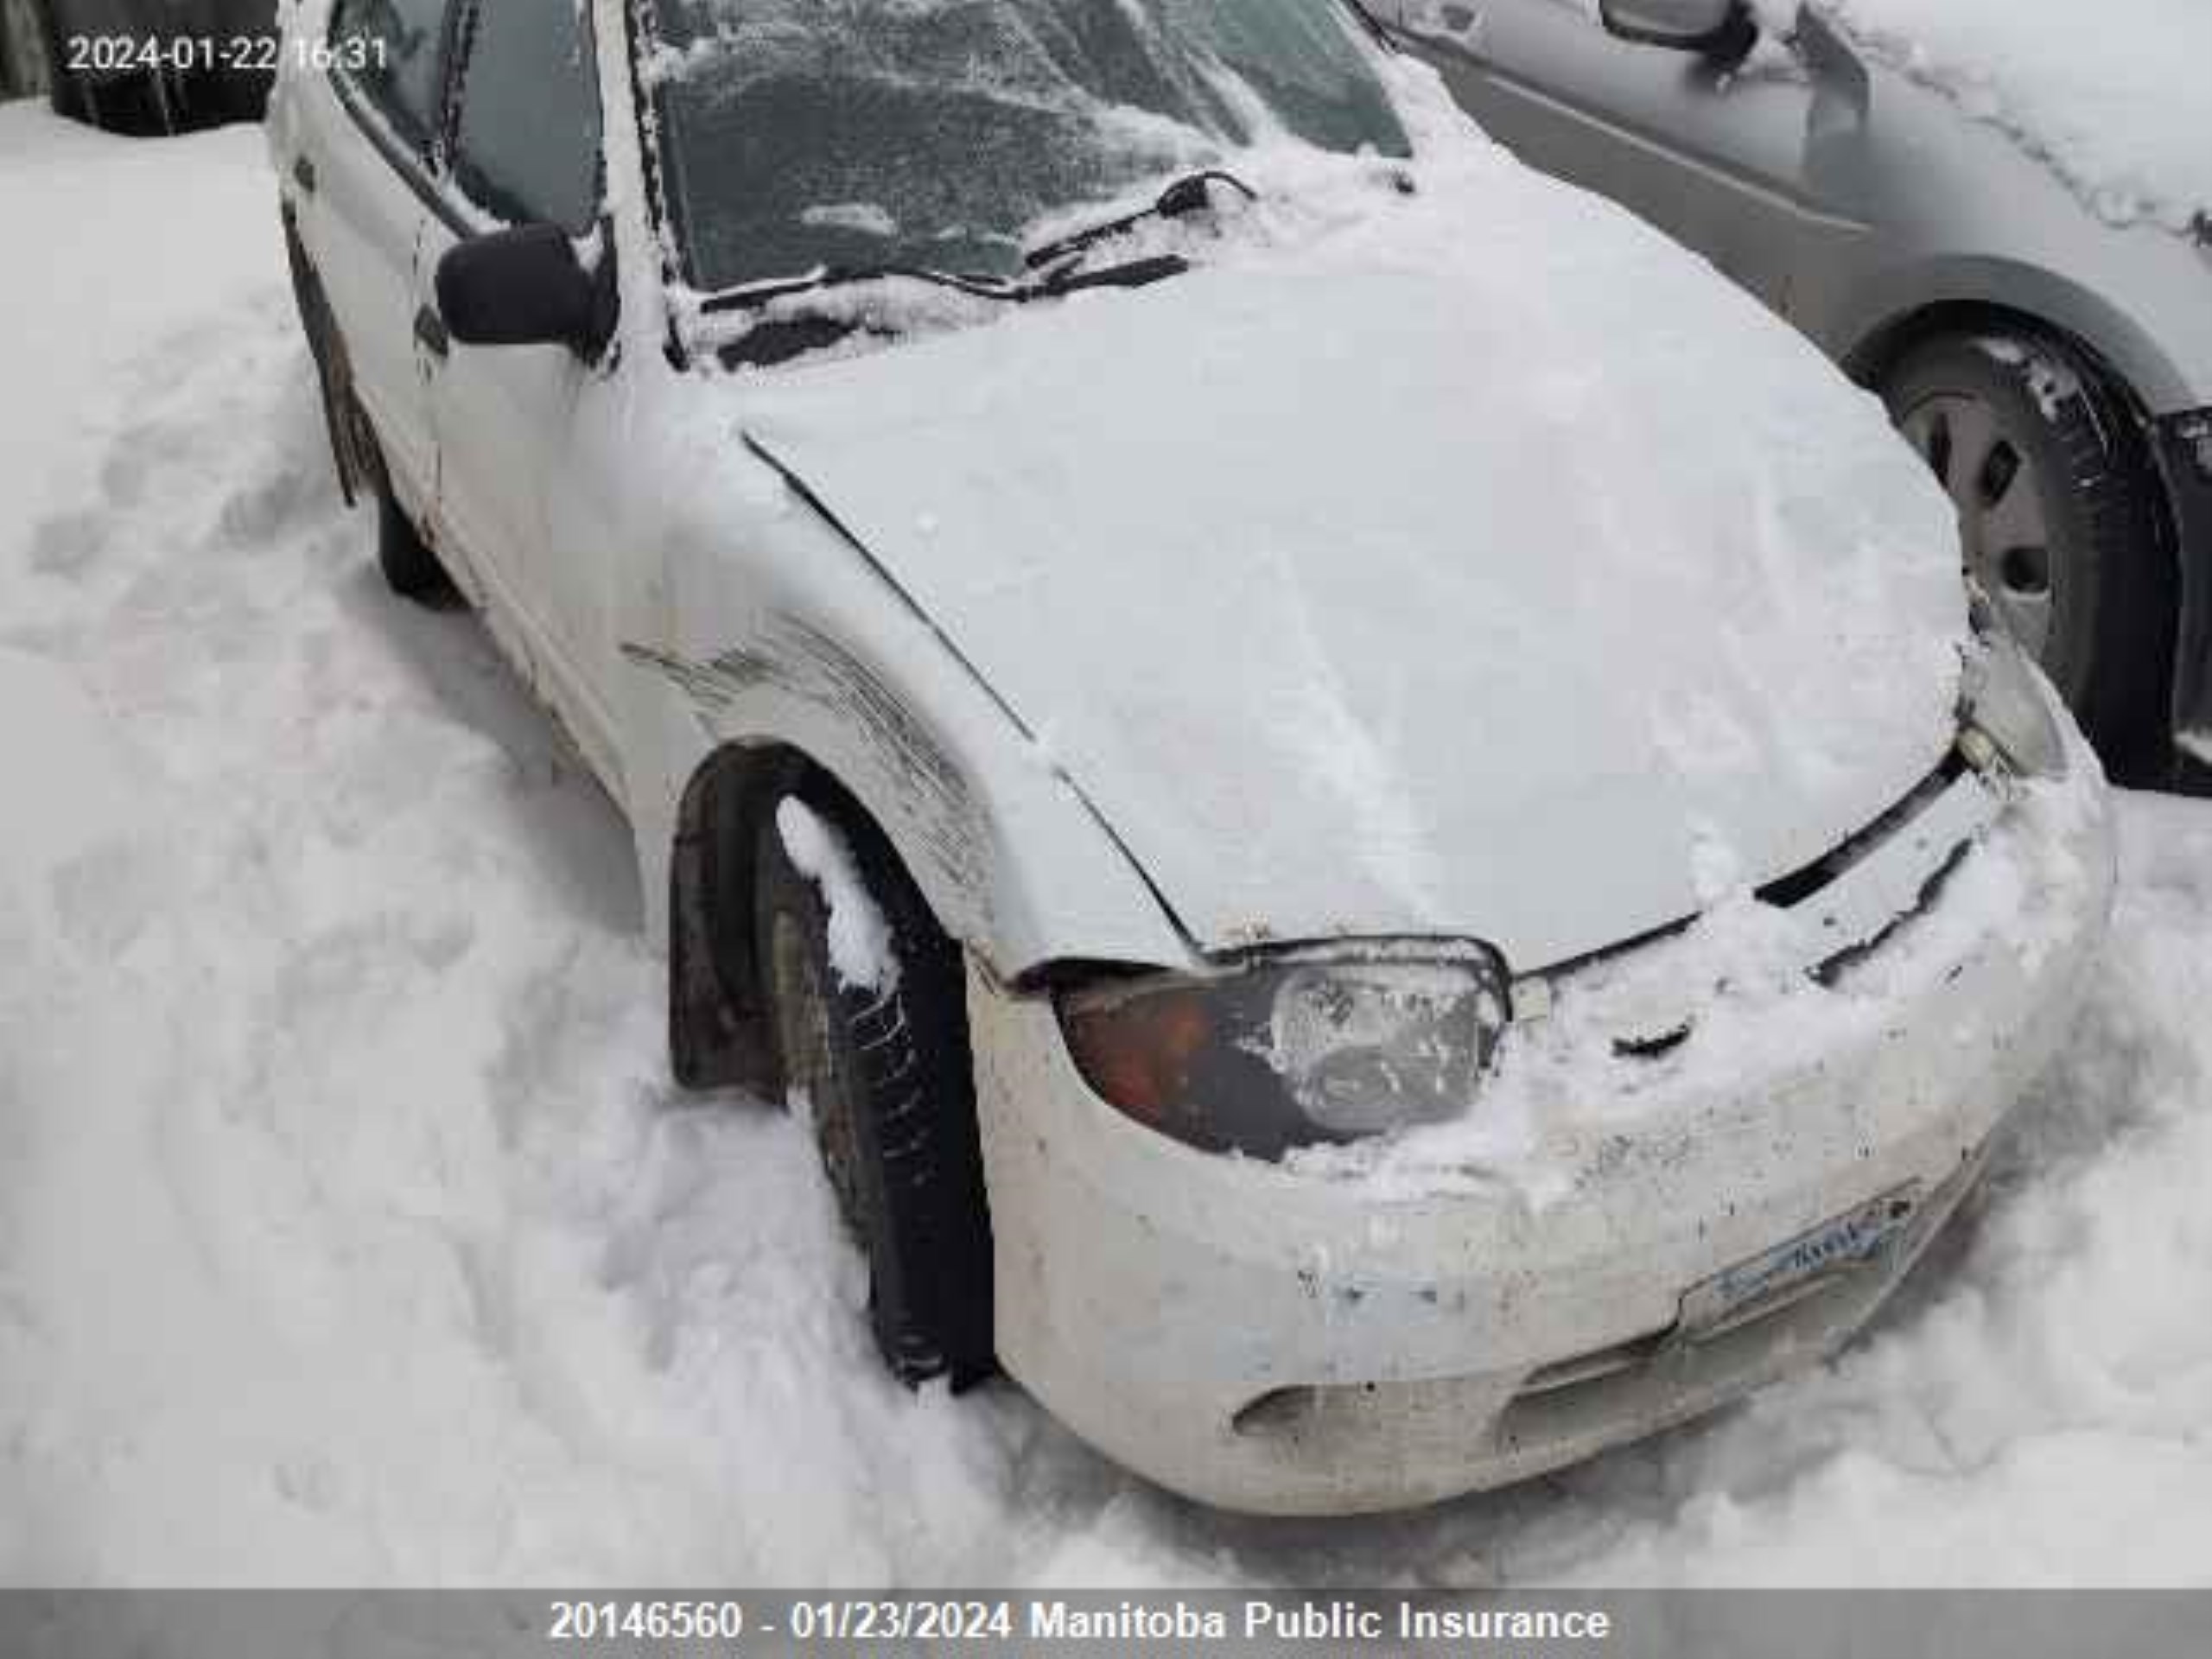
[{"x": 2003, "y": 523}]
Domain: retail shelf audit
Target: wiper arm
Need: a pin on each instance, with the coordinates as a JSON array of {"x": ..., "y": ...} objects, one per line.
[
  {"x": 765, "y": 294},
  {"x": 1136, "y": 273},
  {"x": 1192, "y": 193},
  {"x": 1372, "y": 24},
  {"x": 780, "y": 339}
]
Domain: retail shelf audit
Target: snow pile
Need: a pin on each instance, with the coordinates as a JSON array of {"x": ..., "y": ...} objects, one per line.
[
  {"x": 351, "y": 1230},
  {"x": 2034, "y": 1411},
  {"x": 860, "y": 939},
  {"x": 2114, "y": 101}
]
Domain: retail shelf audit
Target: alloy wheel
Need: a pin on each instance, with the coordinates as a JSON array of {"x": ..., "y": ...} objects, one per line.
[{"x": 2003, "y": 523}]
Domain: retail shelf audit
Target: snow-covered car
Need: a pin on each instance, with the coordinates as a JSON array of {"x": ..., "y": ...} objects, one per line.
[
  {"x": 1367, "y": 811},
  {"x": 1995, "y": 216}
]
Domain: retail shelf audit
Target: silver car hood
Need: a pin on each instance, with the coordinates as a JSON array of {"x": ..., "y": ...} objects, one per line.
[{"x": 1372, "y": 596}]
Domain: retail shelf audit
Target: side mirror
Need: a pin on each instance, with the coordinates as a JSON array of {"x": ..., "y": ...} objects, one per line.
[
  {"x": 1726, "y": 29},
  {"x": 524, "y": 287}
]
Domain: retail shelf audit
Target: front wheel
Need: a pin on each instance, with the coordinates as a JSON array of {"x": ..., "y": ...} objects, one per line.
[
  {"x": 867, "y": 1000},
  {"x": 2059, "y": 513},
  {"x": 410, "y": 567}
]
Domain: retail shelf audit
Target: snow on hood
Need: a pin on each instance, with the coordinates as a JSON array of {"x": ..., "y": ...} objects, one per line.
[
  {"x": 2112, "y": 97},
  {"x": 1471, "y": 563}
]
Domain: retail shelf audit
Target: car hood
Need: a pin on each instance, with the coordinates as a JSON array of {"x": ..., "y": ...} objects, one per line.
[{"x": 1477, "y": 567}]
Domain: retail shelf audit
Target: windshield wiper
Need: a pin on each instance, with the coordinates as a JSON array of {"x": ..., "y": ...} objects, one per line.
[
  {"x": 1372, "y": 24},
  {"x": 1192, "y": 193},
  {"x": 778, "y": 340},
  {"x": 762, "y": 295},
  {"x": 1135, "y": 273}
]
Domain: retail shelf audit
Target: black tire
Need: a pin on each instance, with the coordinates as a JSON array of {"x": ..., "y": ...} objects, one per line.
[
  {"x": 237, "y": 95},
  {"x": 2106, "y": 606},
  {"x": 887, "y": 1074},
  {"x": 65, "y": 97},
  {"x": 64, "y": 93},
  {"x": 411, "y": 568}
]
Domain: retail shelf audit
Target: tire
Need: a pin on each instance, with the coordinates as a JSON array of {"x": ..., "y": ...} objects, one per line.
[
  {"x": 238, "y": 95},
  {"x": 65, "y": 94},
  {"x": 2060, "y": 512},
  {"x": 410, "y": 569},
  {"x": 888, "y": 1075}
]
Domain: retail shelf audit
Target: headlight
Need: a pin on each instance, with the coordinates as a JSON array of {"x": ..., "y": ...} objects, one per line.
[
  {"x": 2006, "y": 707},
  {"x": 1299, "y": 1053}
]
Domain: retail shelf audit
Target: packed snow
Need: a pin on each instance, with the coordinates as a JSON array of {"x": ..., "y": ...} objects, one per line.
[{"x": 352, "y": 1230}]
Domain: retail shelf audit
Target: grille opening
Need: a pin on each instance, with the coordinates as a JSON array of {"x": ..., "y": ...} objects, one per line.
[
  {"x": 1278, "y": 1410},
  {"x": 1790, "y": 891},
  {"x": 1830, "y": 972},
  {"x": 1594, "y": 1366},
  {"x": 1655, "y": 1046}
]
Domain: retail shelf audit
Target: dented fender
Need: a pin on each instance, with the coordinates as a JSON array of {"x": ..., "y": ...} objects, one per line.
[{"x": 769, "y": 630}]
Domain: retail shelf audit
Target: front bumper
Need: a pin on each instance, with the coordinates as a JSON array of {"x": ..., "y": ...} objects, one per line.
[{"x": 1265, "y": 1339}]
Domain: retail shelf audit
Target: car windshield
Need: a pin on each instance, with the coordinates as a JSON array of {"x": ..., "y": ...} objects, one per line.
[{"x": 797, "y": 135}]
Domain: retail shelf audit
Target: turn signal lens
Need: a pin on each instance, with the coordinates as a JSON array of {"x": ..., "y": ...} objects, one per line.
[{"x": 1140, "y": 1055}]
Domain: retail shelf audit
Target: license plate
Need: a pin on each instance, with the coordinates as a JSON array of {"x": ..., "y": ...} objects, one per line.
[{"x": 1790, "y": 1271}]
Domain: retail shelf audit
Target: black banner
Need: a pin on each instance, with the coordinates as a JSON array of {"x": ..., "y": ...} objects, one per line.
[{"x": 1694, "y": 1624}]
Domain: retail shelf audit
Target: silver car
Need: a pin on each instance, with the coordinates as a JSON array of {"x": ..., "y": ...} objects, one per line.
[{"x": 2054, "y": 368}]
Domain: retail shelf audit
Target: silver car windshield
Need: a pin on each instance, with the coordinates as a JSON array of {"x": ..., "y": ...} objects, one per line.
[{"x": 797, "y": 135}]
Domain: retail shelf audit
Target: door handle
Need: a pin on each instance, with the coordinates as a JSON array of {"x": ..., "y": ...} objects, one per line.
[
  {"x": 303, "y": 174},
  {"x": 430, "y": 330}
]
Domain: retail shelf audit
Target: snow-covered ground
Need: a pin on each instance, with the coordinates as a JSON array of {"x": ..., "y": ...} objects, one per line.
[{"x": 351, "y": 1230}]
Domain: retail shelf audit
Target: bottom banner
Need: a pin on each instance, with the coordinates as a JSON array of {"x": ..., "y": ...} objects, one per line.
[{"x": 1695, "y": 1624}]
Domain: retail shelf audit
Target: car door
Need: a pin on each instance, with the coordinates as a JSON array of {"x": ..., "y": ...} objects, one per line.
[
  {"x": 1756, "y": 168},
  {"x": 525, "y": 142},
  {"x": 361, "y": 180}
]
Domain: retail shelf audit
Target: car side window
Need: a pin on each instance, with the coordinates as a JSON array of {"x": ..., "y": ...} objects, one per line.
[
  {"x": 527, "y": 144},
  {"x": 396, "y": 51}
]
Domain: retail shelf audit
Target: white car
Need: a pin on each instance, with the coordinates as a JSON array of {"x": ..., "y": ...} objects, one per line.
[{"x": 1362, "y": 895}]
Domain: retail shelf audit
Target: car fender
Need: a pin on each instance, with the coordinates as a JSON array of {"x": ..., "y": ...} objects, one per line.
[
  {"x": 1889, "y": 310},
  {"x": 762, "y": 630}
]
